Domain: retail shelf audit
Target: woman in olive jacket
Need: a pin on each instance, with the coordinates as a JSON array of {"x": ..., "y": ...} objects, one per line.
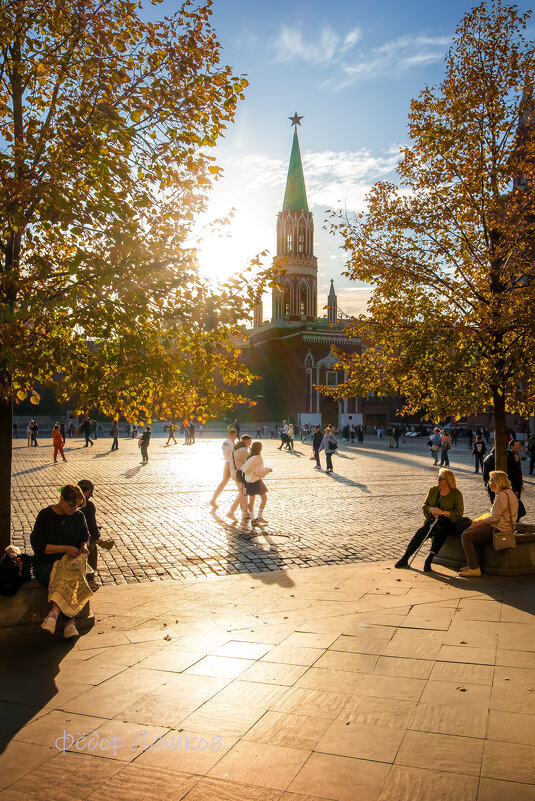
[{"x": 443, "y": 506}]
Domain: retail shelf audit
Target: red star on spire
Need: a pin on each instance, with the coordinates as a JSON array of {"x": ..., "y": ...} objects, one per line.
[{"x": 296, "y": 120}]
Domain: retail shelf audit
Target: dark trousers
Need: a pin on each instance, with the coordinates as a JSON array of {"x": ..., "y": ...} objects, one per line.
[
  {"x": 470, "y": 537},
  {"x": 329, "y": 459},
  {"x": 479, "y": 461},
  {"x": 115, "y": 443},
  {"x": 444, "y": 458},
  {"x": 87, "y": 436},
  {"x": 442, "y": 529},
  {"x": 317, "y": 457}
]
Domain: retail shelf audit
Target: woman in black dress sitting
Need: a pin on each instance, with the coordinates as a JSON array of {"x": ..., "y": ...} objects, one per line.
[{"x": 61, "y": 529}]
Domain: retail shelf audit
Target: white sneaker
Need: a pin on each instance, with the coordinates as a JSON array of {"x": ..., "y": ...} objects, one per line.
[
  {"x": 317, "y": 467},
  {"x": 49, "y": 624},
  {"x": 70, "y": 630}
]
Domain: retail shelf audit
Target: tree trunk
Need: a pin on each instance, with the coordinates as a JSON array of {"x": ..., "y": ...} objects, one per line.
[
  {"x": 500, "y": 443},
  {"x": 6, "y": 445}
]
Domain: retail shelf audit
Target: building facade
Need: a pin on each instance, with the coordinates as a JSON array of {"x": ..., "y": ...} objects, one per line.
[{"x": 293, "y": 351}]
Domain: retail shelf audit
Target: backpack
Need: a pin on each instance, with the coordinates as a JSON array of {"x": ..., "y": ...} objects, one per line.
[{"x": 14, "y": 571}]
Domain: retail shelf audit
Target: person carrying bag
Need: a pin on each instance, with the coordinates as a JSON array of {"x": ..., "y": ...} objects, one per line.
[{"x": 499, "y": 527}]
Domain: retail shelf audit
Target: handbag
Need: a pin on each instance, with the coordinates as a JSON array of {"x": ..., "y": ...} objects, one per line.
[
  {"x": 240, "y": 476},
  {"x": 505, "y": 540},
  {"x": 521, "y": 509}
]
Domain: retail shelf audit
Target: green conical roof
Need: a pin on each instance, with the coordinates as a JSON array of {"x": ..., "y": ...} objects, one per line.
[{"x": 295, "y": 197}]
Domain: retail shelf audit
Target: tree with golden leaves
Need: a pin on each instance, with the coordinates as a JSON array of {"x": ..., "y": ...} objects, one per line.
[
  {"x": 450, "y": 249},
  {"x": 106, "y": 126}
]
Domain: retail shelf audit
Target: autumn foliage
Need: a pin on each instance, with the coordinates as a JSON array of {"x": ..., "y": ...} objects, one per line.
[
  {"x": 107, "y": 123},
  {"x": 450, "y": 249}
]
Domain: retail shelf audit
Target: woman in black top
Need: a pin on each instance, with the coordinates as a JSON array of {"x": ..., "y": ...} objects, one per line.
[
  {"x": 89, "y": 512},
  {"x": 34, "y": 429},
  {"x": 59, "y": 529}
]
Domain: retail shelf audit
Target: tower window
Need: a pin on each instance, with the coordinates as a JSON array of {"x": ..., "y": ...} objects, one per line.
[
  {"x": 302, "y": 300},
  {"x": 287, "y": 310},
  {"x": 289, "y": 243},
  {"x": 331, "y": 378},
  {"x": 301, "y": 241}
]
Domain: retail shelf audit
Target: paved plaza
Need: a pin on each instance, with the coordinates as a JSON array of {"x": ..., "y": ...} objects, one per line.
[
  {"x": 351, "y": 682},
  {"x": 336, "y": 677},
  {"x": 160, "y": 518}
]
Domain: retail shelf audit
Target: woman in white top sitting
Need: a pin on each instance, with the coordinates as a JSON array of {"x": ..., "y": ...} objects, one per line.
[
  {"x": 254, "y": 471},
  {"x": 503, "y": 514}
]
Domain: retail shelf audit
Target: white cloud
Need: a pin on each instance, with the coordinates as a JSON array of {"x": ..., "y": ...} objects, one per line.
[
  {"x": 353, "y": 300},
  {"x": 328, "y": 48},
  {"x": 343, "y": 179},
  {"x": 395, "y": 57}
]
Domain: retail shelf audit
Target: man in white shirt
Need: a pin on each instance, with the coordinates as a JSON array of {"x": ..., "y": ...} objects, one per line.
[
  {"x": 284, "y": 434},
  {"x": 227, "y": 448},
  {"x": 238, "y": 457}
]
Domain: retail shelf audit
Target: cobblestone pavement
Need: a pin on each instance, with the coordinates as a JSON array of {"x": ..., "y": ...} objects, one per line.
[{"x": 159, "y": 515}]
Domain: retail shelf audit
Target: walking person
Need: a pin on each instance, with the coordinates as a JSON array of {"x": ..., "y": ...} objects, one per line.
[
  {"x": 531, "y": 451},
  {"x": 115, "y": 435},
  {"x": 436, "y": 438},
  {"x": 70, "y": 429},
  {"x": 191, "y": 429},
  {"x": 171, "y": 434},
  {"x": 86, "y": 431},
  {"x": 144, "y": 442},
  {"x": 254, "y": 471},
  {"x": 443, "y": 507},
  {"x": 445, "y": 446},
  {"x": 514, "y": 468},
  {"x": 227, "y": 447},
  {"x": 57, "y": 441},
  {"x": 290, "y": 438},
  {"x": 478, "y": 452},
  {"x": 238, "y": 457},
  {"x": 317, "y": 437},
  {"x": 62, "y": 431},
  {"x": 504, "y": 513},
  {"x": 284, "y": 434},
  {"x": 29, "y": 432},
  {"x": 329, "y": 445},
  {"x": 35, "y": 430}
]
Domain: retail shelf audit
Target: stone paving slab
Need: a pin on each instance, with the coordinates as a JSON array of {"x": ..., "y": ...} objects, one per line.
[
  {"x": 161, "y": 521},
  {"x": 261, "y": 687}
]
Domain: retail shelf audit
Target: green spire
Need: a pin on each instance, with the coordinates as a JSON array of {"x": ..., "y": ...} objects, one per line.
[{"x": 295, "y": 197}]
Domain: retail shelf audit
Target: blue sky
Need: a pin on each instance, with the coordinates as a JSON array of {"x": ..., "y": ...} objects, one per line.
[{"x": 351, "y": 69}]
